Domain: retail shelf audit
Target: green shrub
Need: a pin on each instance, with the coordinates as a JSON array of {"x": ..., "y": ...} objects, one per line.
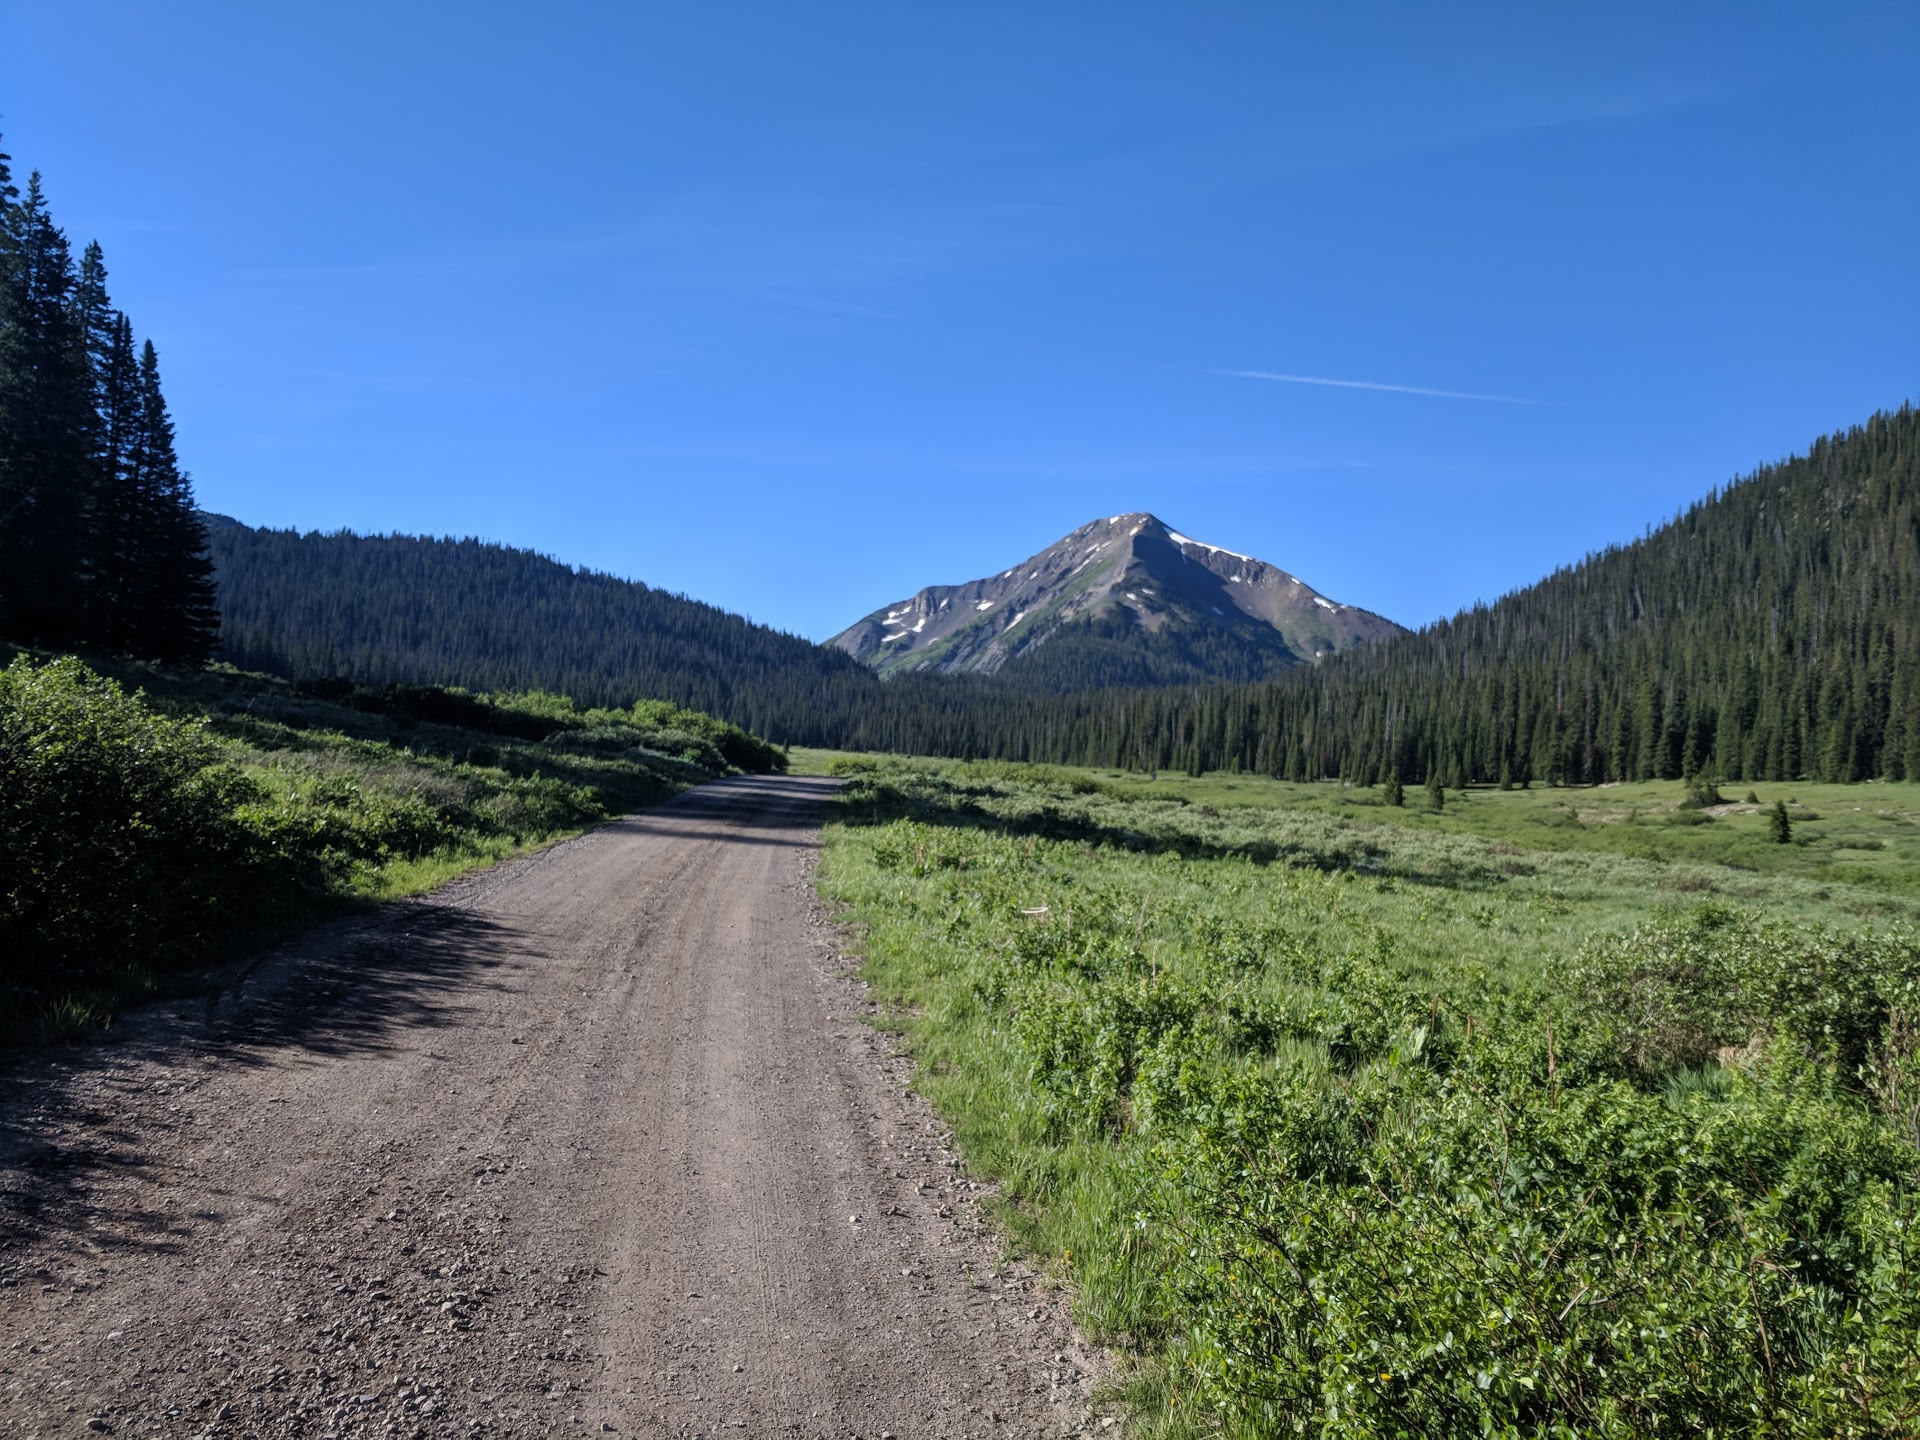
[
  {"x": 1677, "y": 991},
  {"x": 1701, "y": 793},
  {"x": 734, "y": 746},
  {"x": 133, "y": 842},
  {"x": 1472, "y": 1254},
  {"x": 118, "y": 831}
]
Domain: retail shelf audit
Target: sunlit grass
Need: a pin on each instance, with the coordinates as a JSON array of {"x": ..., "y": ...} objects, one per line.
[{"x": 1498, "y": 892}]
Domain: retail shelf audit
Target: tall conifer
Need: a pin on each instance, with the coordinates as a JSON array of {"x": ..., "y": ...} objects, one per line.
[
  {"x": 46, "y": 426},
  {"x": 176, "y": 617},
  {"x": 100, "y": 544},
  {"x": 116, "y": 513}
]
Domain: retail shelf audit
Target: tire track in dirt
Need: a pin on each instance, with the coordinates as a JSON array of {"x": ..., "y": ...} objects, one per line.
[{"x": 573, "y": 1146}]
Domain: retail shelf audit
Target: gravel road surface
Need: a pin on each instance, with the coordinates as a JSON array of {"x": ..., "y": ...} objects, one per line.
[{"x": 593, "y": 1143}]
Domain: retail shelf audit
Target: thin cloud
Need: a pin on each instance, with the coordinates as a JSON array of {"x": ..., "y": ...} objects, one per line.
[{"x": 1381, "y": 385}]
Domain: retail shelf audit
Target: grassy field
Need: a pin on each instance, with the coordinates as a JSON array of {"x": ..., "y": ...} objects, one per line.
[
  {"x": 1864, "y": 837},
  {"x": 1552, "y": 1112},
  {"x": 156, "y": 821}
]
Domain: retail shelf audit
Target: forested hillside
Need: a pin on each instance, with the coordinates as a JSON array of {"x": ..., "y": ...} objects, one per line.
[
  {"x": 393, "y": 608},
  {"x": 1770, "y": 632},
  {"x": 100, "y": 546}
]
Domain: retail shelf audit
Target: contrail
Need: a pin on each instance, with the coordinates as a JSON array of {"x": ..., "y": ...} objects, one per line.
[{"x": 1378, "y": 385}]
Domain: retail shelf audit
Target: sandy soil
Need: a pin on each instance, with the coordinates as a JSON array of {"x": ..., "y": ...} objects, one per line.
[{"x": 593, "y": 1143}]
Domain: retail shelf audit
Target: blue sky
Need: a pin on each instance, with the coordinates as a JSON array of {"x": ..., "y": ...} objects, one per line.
[{"x": 796, "y": 307}]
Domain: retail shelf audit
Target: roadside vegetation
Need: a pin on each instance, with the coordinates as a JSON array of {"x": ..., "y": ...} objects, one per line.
[
  {"x": 155, "y": 821},
  {"x": 1557, "y": 1113}
]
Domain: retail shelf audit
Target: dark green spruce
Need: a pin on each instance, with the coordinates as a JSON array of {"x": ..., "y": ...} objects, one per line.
[{"x": 101, "y": 547}]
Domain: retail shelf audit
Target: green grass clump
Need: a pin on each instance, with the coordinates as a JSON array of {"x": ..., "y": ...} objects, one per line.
[
  {"x": 147, "y": 835},
  {"x": 1387, "y": 1128}
]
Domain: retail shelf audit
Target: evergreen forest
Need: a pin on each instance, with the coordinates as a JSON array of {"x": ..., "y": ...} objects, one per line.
[
  {"x": 401, "y": 609},
  {"x": 100, "y": 545},
  {"x": 1771, "y": 631}
]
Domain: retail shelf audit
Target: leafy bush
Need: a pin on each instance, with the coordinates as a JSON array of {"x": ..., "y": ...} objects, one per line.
[
  {"x": 735, "y": 746},
  {"x": 118, "y": 830},
  {"x": 1702, "y": 792},
  {"x": 1678, "y": 991},
  {"x": 1473, "y": 1254}
]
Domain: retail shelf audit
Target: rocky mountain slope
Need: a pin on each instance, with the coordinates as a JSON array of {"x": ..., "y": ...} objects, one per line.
[{"x": 1122, "y": 600}]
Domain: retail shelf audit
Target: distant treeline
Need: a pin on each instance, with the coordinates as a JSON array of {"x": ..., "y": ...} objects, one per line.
[
  {"x": 100, "y": 545},
  {"x": 1770, "y": 632}
]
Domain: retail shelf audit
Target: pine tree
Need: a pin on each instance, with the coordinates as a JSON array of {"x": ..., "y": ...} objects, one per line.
[
  {"x": 176, "y": 617},
  {"x": 1647, "y": 731},
  {"x": 1779, "y": 826},
  {"x": 117, "y": 514},
  {"x": 100, "y": 544},
  {"x": 1390, "y": 790},
  {"x": 46, "y": 428},
  {"x": 1436, "y": 792},
  {"x": 1673, "y": 741}
]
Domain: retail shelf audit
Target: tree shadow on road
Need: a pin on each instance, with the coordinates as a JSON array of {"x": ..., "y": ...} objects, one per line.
[
  {"x": 713, "y": 812},
  {"x": 82, "y": 1128}
]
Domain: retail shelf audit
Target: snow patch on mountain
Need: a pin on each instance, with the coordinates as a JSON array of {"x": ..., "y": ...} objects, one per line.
[{"x": 1179, "y": 539}]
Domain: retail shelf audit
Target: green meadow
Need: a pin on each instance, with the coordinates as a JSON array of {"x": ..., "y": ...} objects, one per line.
[{"x": 1544, "y": 1112}]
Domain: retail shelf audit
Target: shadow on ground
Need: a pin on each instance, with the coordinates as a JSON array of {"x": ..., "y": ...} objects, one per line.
[
  {"x": 72, "y": 1135},
  {"x": 78, "y": 1123},
  {"x": 873, "y": 802}
]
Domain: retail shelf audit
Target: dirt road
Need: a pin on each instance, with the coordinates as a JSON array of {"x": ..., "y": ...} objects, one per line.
[{"x": 593, "y": 1143}]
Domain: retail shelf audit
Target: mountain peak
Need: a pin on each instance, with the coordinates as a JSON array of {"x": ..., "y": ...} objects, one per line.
[{"x": 1127, "y": 586}]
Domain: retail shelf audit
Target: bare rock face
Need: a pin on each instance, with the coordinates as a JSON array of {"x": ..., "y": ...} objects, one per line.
[{"x": 1122, "y": 576}]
